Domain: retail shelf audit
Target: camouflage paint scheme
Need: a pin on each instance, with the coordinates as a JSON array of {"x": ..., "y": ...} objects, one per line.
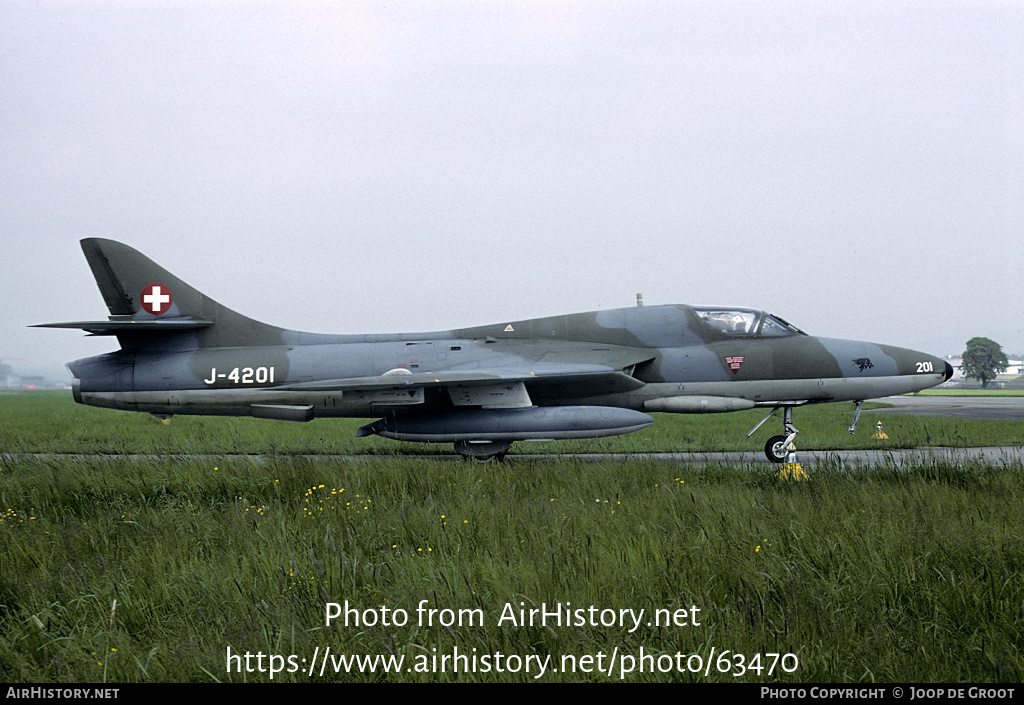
[{"x": 575, "y": 376}]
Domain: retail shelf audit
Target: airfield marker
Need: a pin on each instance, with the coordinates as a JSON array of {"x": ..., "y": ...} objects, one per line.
[{"x": 791, "y": 469}]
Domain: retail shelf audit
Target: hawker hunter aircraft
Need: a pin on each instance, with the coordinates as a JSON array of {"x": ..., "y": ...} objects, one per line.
[{"x": 581, "y": 375}]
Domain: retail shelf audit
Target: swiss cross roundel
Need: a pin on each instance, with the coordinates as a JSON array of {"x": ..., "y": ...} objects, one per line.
[{"x": 156, "y": 299}]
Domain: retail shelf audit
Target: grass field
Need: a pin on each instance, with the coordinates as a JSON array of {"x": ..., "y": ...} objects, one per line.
[{"x": 121, "y": 570}]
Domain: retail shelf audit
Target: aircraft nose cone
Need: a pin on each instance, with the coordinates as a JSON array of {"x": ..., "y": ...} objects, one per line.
[{"x": 949, "y": 373}]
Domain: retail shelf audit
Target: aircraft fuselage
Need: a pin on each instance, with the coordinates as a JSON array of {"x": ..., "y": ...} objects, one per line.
[
  {"x": 581, "y": 375},
  {"x": 685, "y": 374}
]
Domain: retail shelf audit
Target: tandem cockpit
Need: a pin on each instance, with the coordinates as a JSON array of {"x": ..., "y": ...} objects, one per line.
[{"x": 745, "y": 322}]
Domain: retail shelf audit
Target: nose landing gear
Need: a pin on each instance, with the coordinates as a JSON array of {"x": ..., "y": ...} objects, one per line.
[{"x": 778, "y": 446}]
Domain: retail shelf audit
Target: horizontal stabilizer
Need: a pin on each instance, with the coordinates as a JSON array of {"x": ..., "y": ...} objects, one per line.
[{"x": 113, "y": 327}]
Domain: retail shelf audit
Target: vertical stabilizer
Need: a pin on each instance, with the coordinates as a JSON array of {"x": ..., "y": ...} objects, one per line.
[{"x": 137, "y": 288}]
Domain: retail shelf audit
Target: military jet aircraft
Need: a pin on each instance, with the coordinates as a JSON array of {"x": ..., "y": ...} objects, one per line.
[{"x": 581, "y": 375}]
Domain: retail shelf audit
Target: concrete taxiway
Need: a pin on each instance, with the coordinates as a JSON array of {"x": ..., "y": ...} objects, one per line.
[{"x": 998, "y": 408}]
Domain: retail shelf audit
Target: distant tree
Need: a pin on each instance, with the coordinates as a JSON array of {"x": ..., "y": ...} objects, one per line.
[{"x": 983, "y": 360}]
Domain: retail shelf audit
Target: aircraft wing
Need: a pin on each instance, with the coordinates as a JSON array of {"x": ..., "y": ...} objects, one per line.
[{"x": 540, "y": 374}]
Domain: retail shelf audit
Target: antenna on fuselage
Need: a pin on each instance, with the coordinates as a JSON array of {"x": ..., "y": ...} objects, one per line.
[{"x": 639, "y": 299}]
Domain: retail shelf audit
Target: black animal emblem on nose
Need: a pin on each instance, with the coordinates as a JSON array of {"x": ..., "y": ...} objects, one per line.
[{"x": 863, "y": 363}]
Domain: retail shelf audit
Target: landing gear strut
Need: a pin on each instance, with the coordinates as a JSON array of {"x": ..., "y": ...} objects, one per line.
[
  {"x": 483, "y": 451},
  {"x": 778, "y": 446},
  {"x": 856, "y": 417}
]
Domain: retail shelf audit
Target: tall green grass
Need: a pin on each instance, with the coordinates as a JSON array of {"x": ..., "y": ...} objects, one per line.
[
  {"x": 121, "y": 571},
  {"x": 124, "y": 569}
]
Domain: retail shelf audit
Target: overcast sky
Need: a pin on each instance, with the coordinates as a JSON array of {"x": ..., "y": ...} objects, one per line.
[{"x": 856, "y": 168}]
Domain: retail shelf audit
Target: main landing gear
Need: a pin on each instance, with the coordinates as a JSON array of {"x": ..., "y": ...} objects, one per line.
[{"x": 482, "y": 451}]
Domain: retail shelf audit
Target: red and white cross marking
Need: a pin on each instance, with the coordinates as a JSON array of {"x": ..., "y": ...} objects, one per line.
[{"x": 156, "y": 299}]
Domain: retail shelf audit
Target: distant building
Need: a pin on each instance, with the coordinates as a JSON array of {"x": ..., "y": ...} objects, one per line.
[
  {"x": 33, "y": 382},
  {"x": 1014, "y": 370}
]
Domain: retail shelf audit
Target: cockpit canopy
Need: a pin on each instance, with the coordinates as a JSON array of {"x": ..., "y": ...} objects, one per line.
[{"x": 745, "y": 322}]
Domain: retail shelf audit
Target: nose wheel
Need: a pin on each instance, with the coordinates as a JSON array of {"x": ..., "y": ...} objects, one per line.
[
  {"x": 778, "y": 446},
  {"x": 776, "y": 449}
]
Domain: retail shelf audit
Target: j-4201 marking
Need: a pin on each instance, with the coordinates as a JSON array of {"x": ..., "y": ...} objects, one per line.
[{"x": 244, "y": 375}]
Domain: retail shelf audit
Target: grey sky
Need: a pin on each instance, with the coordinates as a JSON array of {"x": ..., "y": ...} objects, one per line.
[{"x": 857, "y": 168}]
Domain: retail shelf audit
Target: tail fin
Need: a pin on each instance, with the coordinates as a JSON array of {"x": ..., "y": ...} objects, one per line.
[
  {"x": 134, "y": 285},
  {"x": 144, "y": 299}
]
